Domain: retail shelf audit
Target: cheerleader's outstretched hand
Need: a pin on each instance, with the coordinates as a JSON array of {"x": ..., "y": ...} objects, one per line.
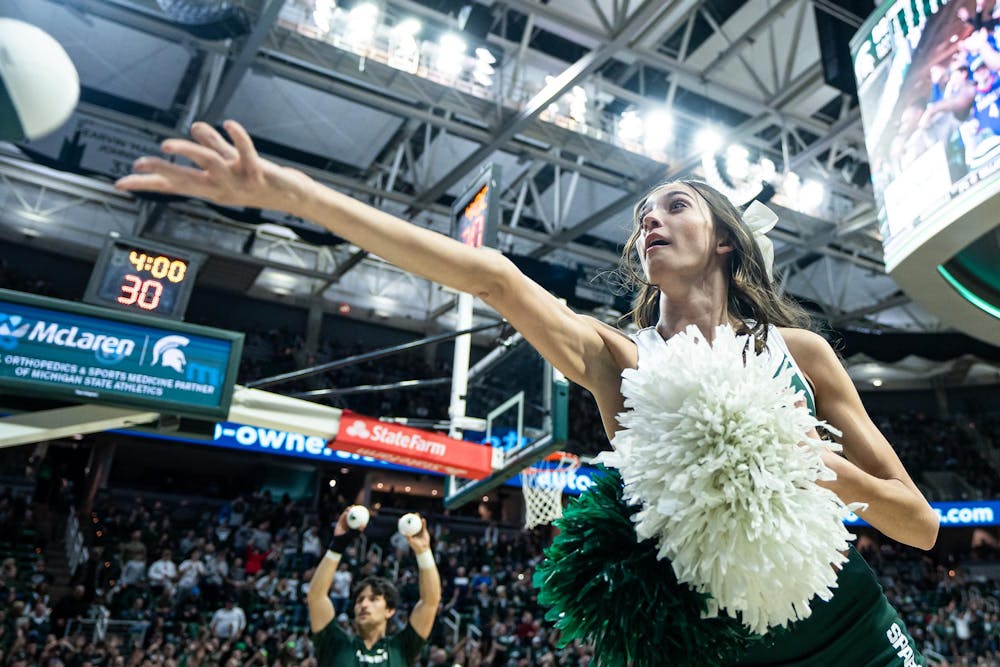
[{"x": 227, "y": 173}]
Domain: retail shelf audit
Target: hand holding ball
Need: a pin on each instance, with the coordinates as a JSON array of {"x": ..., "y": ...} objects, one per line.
[
  {"x": 357, "y": 517},
  {"x": 410, "y": 524}
]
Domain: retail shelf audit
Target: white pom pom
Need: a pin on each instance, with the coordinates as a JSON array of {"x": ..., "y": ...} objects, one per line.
[
  {"x": 40, "y": 80},
  {"x": 357, "y": 517},
  {"x": 410, "y": 524},
  {"x": 715, "y": 452}
]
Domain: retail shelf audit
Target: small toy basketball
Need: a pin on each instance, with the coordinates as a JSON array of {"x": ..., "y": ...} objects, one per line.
[
  {"x": 410, "y": 524},
  {"x": 357, "y": 517}
]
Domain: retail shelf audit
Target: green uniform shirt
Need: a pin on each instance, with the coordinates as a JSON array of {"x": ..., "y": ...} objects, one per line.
[{"x": 336, "y": 648}]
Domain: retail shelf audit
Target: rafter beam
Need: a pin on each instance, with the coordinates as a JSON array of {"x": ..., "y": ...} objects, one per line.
[
  {"x": 241, "y": 63},
  {"x": 573, "y": 74}
]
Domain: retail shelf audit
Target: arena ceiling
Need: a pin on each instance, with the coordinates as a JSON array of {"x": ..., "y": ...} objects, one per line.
[{"x": 329, "y": 102}]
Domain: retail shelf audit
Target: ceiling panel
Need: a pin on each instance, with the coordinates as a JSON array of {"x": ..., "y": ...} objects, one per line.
[{"x": 311, "y": 120}]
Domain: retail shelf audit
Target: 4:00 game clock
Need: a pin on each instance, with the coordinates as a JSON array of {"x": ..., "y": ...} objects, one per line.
[{"x": 143, "y": 277}]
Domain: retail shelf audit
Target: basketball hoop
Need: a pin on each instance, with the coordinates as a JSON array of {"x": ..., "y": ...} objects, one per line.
[{"x": 542, "y": 485}]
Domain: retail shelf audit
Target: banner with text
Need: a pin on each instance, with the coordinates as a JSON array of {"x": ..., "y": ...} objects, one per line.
[
  {"x": 409, "y": 446},
  {"x": 66, "y": 350},
  {"x": 956, "y": 514}
]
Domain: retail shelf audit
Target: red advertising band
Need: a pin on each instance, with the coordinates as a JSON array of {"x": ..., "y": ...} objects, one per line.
[{"x": 413, "y": 447}]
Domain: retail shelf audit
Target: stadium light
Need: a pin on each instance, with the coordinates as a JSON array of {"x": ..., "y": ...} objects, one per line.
[
  {"x": 708, "y": 140},
  {"x": 404, "y": 51},
  {"x": 659, "y": 129},
  {"x": 737, "y": 162},
  {"x": 791, "y": 185},
  {"x": 578, "y": 104},
  {"x": 811, "y": 194},
  {"x": 767, "y": 169},
  {"x": 630, "y": 126},
  {"x": 323, "y": 14},
  {"x": 483, "y": 70},
  {"x": 361, "y": 22},
  {"x": 450, "y": 54}
]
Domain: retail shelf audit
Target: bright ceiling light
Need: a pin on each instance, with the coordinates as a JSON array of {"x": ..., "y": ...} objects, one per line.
[
  {"x": 408, "y": 27},
  {"x": 485, "y": 55},
  {"x": 362, "y": 16},
  {"x": 876, "y": 382},
  {"x": 767, "y": 169},
  {"x": 450, "y": 54},
  {"x": 483, "y": 70},
  {"x": 630, "y": 126},
  {"x": 323, "y": 13},
  {"x": 361, "y": 23},
  {"x": 708, "y": 140},
  {"x": 791, "y": 185},
  {"x": 404, "y": 52},
  {"x": 812, "y": 194},
  {"x": 737, "y": 162},
  {"x": 578, "y": 104},
  {"x": 659, "y": 130}
]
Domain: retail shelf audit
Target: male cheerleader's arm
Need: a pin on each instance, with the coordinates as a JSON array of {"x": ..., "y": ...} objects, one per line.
[
  {"x": 871, "y": 472},
  {"x": 318, "y": 596},
  {"x": 422, "y": 616},
  {"x": 235, "y": 175}
]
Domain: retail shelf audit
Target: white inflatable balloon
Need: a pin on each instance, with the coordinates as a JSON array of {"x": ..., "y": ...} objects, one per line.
[{"x": 39, "y": 86}]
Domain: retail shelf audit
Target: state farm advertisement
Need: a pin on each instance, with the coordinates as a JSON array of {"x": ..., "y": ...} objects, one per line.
[{"x": 412, "y": 447}]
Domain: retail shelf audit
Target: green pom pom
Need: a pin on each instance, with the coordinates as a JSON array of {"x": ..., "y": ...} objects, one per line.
[{"x": 601, "y": 585}]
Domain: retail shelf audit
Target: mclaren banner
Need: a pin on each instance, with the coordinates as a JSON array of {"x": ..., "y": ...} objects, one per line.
[{"x": 70, "y": 351}]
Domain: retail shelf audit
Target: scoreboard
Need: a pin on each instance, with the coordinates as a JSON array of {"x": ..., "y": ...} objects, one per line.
[
  {"x": 476, "y": 212},
  {"x": 140, "y": 276}
]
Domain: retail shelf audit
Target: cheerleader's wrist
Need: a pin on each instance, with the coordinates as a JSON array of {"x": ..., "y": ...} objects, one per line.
[
  {"x": 425, "y": 560},
  {"x": 339, "y": 543}
]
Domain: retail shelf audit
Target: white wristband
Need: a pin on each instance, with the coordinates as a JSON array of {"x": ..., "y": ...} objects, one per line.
[
  {"x": 425, "y": 560},
  {"x": 332, "y": 555}
]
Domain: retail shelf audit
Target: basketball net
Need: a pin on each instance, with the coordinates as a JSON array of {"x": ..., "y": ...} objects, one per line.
[{"x": 542, "y": 487}]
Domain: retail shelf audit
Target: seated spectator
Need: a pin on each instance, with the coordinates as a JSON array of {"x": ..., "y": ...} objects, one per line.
[
  {"x": 71, "y": 606},
  {"x": 190, "y": 572},
  {"x": 162, "y": 574},
  {"x": 229, "y": 621},
  {"x": 134, "y": 561}
]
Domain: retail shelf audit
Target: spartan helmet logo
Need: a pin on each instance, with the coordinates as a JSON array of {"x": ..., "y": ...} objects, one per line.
[{"x": 167, "y": 352}]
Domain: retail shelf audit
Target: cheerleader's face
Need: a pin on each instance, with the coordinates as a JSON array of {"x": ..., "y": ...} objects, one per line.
[{"x": 677, "y": 238}]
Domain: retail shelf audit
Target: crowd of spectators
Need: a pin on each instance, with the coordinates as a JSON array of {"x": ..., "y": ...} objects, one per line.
[
  {"x": 185, "y": 584},
  {"x": 933, "y": 444},
  {"x": 198, "y": 584}
]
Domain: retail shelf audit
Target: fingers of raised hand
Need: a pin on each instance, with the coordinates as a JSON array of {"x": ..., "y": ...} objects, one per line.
[
  {"x": 158, "y": 175},
  {"x": 244, "y": 148},
  {"x": 207, "y": 136},
  {"x": 204, "y": 157}
]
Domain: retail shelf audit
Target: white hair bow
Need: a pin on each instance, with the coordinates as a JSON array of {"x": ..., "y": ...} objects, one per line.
[{"x": 760, "y": 219}]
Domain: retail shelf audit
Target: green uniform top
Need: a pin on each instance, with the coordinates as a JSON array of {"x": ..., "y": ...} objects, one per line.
[{"x": 336, "y": 648}]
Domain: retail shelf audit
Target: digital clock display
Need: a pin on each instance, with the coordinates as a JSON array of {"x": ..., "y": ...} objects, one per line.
[
  {"x": 475, "y": 212},
  {"x": 143, "y": 277}
]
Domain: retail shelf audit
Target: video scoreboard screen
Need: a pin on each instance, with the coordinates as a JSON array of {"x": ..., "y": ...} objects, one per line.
[
  {"x": 476, "y": 212},
  {"x": 928, "y": 75}
]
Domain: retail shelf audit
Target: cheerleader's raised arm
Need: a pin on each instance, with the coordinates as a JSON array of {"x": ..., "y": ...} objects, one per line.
[{"x": 234, "y": 174}]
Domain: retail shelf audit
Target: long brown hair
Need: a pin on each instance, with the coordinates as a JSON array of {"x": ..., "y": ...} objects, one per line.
[{"x": 753, "y": 298}]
